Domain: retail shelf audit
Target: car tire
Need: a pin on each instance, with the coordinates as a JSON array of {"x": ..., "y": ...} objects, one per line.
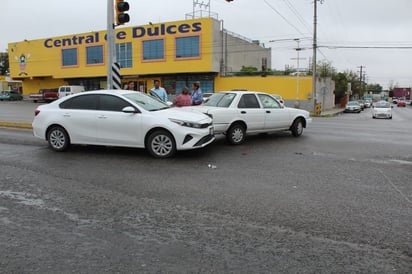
[
  {"x": 297, "y": 127},
  {"x": 161, "y": 144},
  {"x": 236, "y": 134},
  {"x": 58, "y": 138}
]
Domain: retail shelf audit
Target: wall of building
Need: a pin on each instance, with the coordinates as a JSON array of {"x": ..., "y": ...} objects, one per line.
[
  {"x": 43, "y": 57},
  {"x": 240, "y": 52},
  {"x": 282, "y": 85},
  {"x": 35, "y": 85}
]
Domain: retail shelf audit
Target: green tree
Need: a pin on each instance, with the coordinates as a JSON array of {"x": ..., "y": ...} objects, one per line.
[
  {"x": 4, "y": 63},
  {"x": 341, "y": 86},
  {"x": 374, "y": 88},
  {"x": 247, "y": 71},
  {"x": 325, "y": 69}
]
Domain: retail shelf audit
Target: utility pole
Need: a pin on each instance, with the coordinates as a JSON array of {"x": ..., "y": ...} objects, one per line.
[
  {"x": 111, "y": 56},
  {"x": 315, "y": 46},
  {"x": 113, "y": 68},
  {"x": 361, "y": 79},
  {"x": 298, "y": 49}
]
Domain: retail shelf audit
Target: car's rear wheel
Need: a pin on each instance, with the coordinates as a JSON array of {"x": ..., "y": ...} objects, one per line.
[
  {"x": 297, "y": 127},
  {"x": 236, "y": 134},
  {"x": 161, "y": 144},
  {"x": 58, "y": 138}
]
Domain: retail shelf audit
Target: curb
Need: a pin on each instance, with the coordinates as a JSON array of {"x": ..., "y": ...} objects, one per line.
[{"x": 15, "y": 125}]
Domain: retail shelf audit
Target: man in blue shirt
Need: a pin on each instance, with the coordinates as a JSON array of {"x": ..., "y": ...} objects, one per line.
[
  {"x": 158, "y": 91},
  {"x": 197, "y": 95}
]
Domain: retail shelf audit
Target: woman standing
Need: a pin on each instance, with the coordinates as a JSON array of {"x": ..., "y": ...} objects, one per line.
[{"x": 183, "y": 99}]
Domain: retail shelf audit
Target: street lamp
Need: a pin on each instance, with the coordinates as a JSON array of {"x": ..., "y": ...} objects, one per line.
[{"x": 298, "y": 49}]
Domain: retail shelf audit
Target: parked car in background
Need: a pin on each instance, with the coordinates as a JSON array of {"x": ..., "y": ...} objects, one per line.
[
  {"x": 368, "y": 103},
  {"x": 353, "y": 106},
  {"x": 10, "y": 95},
  {"x": 382, "y": 109},
  {"x": 69, "y": 90},
  {"x": 362, "y": 104},
  {"x": 121, "y": 118},
  {"x": 401, "y": 103},
  {"x": 45, "y": 95},
  {"x": 238, "y": 113}
]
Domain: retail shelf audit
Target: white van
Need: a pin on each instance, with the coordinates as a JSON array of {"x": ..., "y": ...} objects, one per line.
[{"x": 68, "y": 90}]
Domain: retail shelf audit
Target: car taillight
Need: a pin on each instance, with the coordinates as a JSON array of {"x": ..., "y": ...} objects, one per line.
[{"x": 36, "y": 112}]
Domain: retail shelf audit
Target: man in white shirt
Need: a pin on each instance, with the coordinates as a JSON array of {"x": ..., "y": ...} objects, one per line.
[{"x": 158, "y": 91}]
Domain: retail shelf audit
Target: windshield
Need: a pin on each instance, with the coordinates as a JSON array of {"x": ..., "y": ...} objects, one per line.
[
  {"x": 145, "y": 101},
  {"x": 220, "y": 100},
  {"x": 382, "y": 105}
]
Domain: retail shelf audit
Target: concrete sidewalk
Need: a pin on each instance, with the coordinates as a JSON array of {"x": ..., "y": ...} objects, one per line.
[{"x": 20, "y": 114}]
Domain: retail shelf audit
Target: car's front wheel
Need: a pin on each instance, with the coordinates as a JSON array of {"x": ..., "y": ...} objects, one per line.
[
  {"x": 161, "y": 144},
  {"x": 236, "y": 134},
  {"x": 297, "y": 127},
  {"x": 58, "y": 138}
]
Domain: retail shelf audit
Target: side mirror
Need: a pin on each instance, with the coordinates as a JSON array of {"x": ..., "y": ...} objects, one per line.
[{"x": 130, "y": 109}]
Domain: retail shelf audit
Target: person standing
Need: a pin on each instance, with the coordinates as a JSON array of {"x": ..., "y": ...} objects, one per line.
[
  {"x": 159, "y": 91},
  {"x": 197, "y": 95},
  {"x": 130, "y": 85},
  {"x": 183, "y": 99}
]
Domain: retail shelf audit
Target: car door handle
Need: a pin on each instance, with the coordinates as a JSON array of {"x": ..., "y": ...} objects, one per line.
[
  {"x": 268, "y": 111},
  {"x": 243, "y": 112},
  {"x": 102, "y": 117},
  {"x": 66, "y": 115}
]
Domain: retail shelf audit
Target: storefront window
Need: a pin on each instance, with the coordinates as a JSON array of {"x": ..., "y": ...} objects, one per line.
[
  {"x": 124, "y": 55},
  {"x": 69, "y": 57},
  {"x": 153, "y": 50},
  {"x": 94, "y": 55},
  {"x": 188, "y": 47}
]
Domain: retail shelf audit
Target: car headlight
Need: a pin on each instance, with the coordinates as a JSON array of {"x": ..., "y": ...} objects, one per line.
[{"x": 186, "y": 123}]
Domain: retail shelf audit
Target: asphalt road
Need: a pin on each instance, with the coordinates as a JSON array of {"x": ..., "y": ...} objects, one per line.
[{"x": 336, "y": 200}]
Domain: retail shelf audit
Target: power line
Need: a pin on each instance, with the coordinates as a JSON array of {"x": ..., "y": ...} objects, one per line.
[
  {"x": 297, "y": 14},
  {"x": 283, "y": 17},
  {"x": 366, "y": 47}
]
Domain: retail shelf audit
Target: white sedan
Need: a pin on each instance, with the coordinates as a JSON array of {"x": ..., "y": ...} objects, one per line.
[
  {"x": 121, "y": 118},
  {"x": 237, "y": 113},
  {"x": 382, "y": 109}
]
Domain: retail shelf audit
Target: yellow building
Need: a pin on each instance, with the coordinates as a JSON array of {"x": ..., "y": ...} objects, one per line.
[{"x": 177, "y": 53}]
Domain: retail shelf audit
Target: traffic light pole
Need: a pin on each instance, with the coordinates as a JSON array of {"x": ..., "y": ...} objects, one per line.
[{"x": 111, "y": 57}]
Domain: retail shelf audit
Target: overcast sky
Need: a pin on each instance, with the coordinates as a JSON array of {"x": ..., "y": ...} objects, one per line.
[{"x": 342, "y": 24}]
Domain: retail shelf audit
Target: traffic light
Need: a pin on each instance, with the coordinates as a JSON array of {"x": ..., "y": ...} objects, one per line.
[{"x": 121, "y": 16}]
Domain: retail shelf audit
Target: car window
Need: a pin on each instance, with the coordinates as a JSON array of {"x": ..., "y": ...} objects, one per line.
[
  {"x": 268, "y": 102},
  {"x": 112, "y": 103},
  {"x": 248, "y": 101},
  {"x": 220, "y": 100},
  {"x": 88, "y": 101},
  {"x": 383, "y": 105},
  {"x": 146, "y": 102}
]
